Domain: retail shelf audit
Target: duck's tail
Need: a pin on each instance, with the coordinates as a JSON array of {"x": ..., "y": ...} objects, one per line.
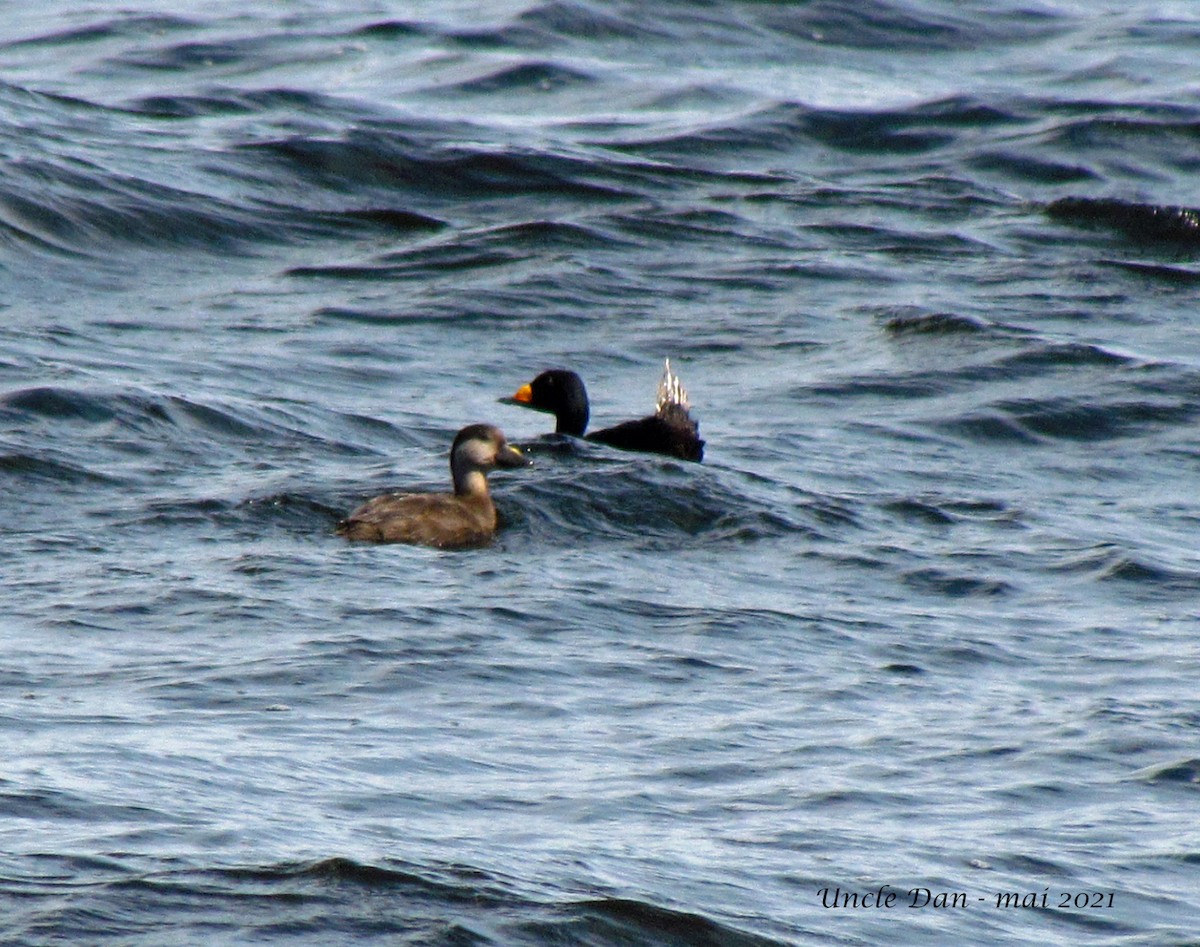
[
  {"x": 671, "y": 392},
  {"x": 674, "y": 418}
]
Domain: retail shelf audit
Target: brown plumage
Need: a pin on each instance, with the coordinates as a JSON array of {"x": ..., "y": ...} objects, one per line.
[{"x": 466, "y": 517}]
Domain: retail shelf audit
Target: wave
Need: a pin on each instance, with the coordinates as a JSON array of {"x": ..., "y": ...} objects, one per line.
[
  {"x": 880, "y": 25},
  {"x": 873, "y": 25},
  {"x": 937, "y": 323},
  {"x": 580, "y": 493},
  {"x": 471, "y": 249},
  {"x": 1069, "y": 390},
  {"x": 254, "y": 186},
  {"x": 1163, "y": 272},
  {"x": 985, "y": 352},
  {"x": 332, "y": 899},
  {"x": 1031, "y": 169},
  {"x": 221, "y": 101},
  {"x": 1061, "y": 418},
  {"x": 78, "y": 434},
  {"x": 955, "y": 585},
  {"x": 562, "y": 19},
  {"x": 36, "y": 466},
  {"x": 137, "y": 411},
  {"x": 524, "y": 78},
  {"x": 82, "y": 182},
  {"x": 782, "y": 127},
  {"x": 393, "y": 159},
  {"x": 84, "y": 214},
  {"x": 1184, "y": 772},
  {"x": 134, "y": 25},
  {"x": 1140, "y": 571}
]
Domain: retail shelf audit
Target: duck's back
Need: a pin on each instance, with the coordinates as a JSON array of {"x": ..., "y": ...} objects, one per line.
[
  {"x": 670, "y": 430},
  {"x": 674, "y": 434},
  {"x": 426, "y": 519}
]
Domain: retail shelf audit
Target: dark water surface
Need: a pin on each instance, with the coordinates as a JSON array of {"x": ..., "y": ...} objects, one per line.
[{"x": 926, "y": 617}]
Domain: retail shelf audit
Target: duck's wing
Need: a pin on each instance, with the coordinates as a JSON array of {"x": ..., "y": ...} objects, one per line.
[
  {"x": 672, "y": 432},
  {"x": 425, "y": 519}
]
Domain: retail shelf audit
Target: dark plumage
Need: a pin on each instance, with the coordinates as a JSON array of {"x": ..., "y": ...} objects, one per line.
[
  {"x": 670, "y": 430},
  {"x": 466, "y": 517}
]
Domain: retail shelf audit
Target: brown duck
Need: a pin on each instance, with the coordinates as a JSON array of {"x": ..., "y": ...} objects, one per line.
[{"x": 466, "y": 517}]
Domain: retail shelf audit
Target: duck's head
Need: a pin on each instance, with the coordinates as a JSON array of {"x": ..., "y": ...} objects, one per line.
[
  {"x": 477, "y": 449},
  {"x": 559, "y": 392},
  {"x": 482, "y": 446}
]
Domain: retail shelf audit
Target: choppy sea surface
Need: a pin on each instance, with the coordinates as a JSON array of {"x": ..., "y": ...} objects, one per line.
[{"x": 923, "y": 624}]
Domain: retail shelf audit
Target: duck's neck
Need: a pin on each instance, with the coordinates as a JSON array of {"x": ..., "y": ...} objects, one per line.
[
  {"x": 470, "y": 482},
  {"x": 571, "y": 421},
  {"x": 572, "y": 414}
]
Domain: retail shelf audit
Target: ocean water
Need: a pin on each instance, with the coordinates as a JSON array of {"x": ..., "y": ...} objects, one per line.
[{"x": 910, "y": 658}]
